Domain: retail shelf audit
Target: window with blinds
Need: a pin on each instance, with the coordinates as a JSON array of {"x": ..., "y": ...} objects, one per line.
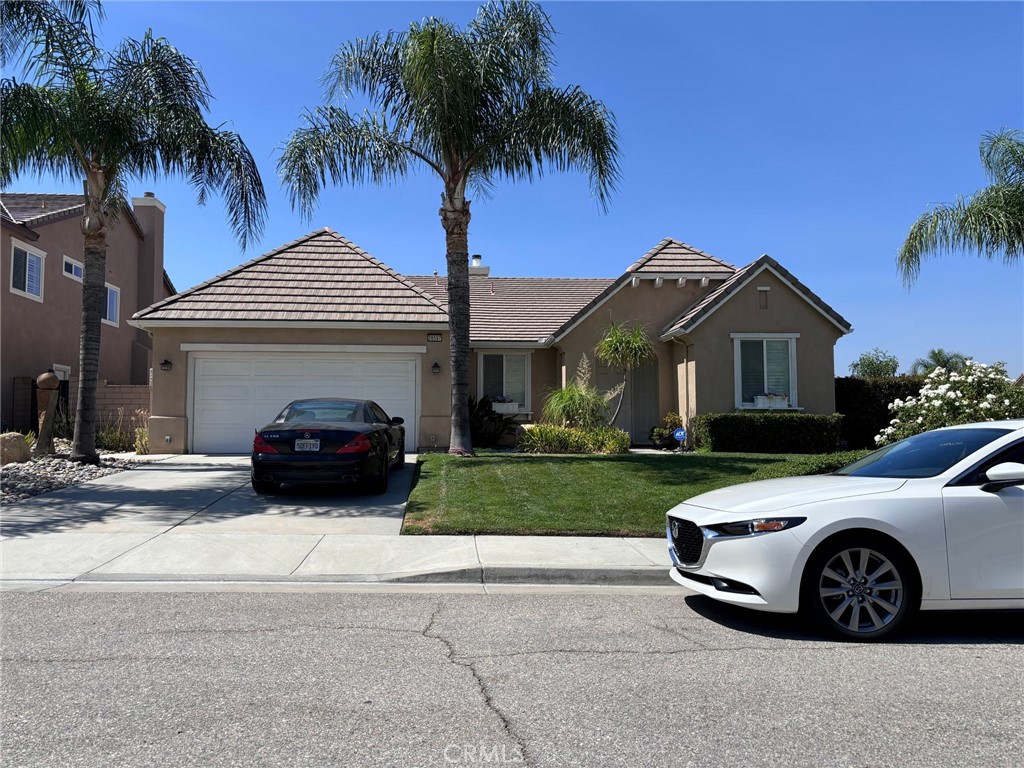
[
  {"x": 765, "y": 366},
  {"x": 504, "y": 378},
  {"x": 27, "y": 273}
]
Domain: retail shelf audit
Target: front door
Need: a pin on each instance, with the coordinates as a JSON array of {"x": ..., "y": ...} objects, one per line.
[{"x": 643, "y": 397}]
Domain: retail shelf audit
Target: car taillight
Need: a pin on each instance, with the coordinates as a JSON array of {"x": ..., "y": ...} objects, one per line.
[
  {"x": 259, "y": 445},
  {"x": 358, "y": 444}
]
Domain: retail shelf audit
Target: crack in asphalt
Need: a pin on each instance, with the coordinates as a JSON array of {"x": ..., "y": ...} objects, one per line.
[{"x": 506, "y": 722}]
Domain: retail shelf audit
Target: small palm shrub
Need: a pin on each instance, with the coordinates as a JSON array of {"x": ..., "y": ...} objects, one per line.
[{"x": 486, "y": 426}]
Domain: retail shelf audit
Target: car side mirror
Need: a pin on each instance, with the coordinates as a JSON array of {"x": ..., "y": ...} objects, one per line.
[
  {"x": 396, "y": 420},
  {"x": 1002, "y": 476}
]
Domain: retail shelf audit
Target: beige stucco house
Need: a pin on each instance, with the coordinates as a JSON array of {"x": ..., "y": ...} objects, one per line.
[
  {"x": 41, "y": 261},
  {"x": 319, "y": 316}
]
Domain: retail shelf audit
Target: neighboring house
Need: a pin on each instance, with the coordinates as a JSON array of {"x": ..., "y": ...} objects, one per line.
[
  {"x": 42, "y": 249},
  {"x": 319, "y": 316}
]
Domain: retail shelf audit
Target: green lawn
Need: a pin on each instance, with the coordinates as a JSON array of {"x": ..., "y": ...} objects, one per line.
[{"x": 516, "y": 493}]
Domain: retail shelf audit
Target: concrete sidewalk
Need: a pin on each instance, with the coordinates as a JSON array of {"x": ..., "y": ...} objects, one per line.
[{"x": 195, "y": 518}]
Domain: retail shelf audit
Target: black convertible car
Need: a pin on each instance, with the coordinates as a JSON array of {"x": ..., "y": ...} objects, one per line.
[{"x": 328, "y": 440}]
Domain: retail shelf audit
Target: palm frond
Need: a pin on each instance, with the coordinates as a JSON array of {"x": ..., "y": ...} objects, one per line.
[
  {"x": 564, "y": 129},
  {"x": 153, "y": 73},
  {"x": 513, "y": 43},
  {"x": 1002, "y": 155},
  {"x": 334, "y": 146},
  {"x": 33, "y": 139},
  {"x": 27, "y": 22},
  {"x": 991, "y": 223}
]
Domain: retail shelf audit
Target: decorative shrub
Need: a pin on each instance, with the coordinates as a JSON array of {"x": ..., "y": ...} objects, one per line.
[
  {"x": 116, "y": 435},
  {"x": 553, "y": 438},
  {"x": 141, "y": 441},
  {"x": 661, "y": 436},
  {"x": 486, "y": 427},
  {"x": 979, "y": 393},
  {"x": 808, "y": 465},
  {"x": 760, "y": 432},
  {"x": 864, "y": 404},
  {"x": 578, "y": 404}
]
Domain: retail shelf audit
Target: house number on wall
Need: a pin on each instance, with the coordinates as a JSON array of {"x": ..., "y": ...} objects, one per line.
[{"x": 433, "y": 337}]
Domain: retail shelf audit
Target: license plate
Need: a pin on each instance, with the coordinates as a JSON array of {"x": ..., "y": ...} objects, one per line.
[{"x": 307, "y": 445}]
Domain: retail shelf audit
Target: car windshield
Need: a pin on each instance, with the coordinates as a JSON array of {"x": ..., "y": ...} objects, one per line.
[
  {"x": 322, "y": 410},
  {"x": 924, "y": 455}
]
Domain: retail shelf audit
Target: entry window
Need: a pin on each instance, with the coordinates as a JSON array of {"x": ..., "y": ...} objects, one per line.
[
  {"x": 765, "y": 371},
  {"x": 112, "y": 305},
  {"x": 504, "y": 378},
  {"x": 27, "y": 272}
]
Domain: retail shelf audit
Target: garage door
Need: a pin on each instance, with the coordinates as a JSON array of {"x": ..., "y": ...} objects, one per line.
[{"x": 233, "y": 394}]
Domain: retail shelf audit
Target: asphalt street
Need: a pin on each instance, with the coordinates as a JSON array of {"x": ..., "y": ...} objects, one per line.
[{"x": 563, "y": 677}]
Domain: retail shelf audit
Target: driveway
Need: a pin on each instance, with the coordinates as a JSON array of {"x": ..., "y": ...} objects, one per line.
[{"x": 187, "y": 515}]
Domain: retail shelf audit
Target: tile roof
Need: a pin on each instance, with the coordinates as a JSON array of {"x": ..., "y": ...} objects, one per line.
[
  {"x": 32, "y": 209},
  {"x": 321, "y": 277},
  {"x": 695, "y": 314},
  {"x": 518, "y": 309},
  {"x": 27, "y": 207},
  {"x": 673, "y": 257}
]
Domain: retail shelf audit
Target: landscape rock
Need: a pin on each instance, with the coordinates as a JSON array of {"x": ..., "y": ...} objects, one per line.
[{"x": 13, "y": 448}]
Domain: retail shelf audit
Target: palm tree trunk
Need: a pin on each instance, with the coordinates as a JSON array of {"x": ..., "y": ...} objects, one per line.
[
  {"x": 83, "y": 446},
  {"x": 455, "y": 220}
]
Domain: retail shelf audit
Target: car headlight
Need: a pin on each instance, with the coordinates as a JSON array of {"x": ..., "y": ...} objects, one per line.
[{"x": 760, "y": 525}]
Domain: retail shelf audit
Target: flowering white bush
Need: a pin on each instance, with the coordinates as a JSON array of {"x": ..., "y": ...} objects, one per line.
[{"x": 978, "y": 393}]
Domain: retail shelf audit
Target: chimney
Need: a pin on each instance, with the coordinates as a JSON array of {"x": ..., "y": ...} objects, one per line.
[
  {"x": 149, "y": 212},
  {"x": 476, "y": 268}
]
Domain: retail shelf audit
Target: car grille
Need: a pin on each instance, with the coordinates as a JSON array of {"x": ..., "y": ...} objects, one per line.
[{"x": 687, "y": 540}]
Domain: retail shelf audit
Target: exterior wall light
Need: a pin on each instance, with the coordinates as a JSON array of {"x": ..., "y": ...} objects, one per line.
[
  {"x": 435, "y": 368},
  {"x": 166, "y": 365}
]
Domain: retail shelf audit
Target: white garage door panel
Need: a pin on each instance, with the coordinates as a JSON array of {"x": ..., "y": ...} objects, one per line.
[
  {"x": 235, "y": 393},
  {"x": 273, "y": 368},
  {"x": 224, "y": 367}
]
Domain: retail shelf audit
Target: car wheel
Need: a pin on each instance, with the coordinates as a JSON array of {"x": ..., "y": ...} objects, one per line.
[
  {"x": 400, "y": 459},
  {"x": 860, "y": 588},
  {"x": 264, "y": 487},
  {"x": 379, "y": 484}
]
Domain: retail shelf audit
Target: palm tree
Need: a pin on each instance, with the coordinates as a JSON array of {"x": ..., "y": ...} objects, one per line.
[
  {"x": 990, "y": 222},
  {"x": 472, "y": 106},
  {"x": 938, "y": 358},
  {"x": 23, "y": 22},
  {"x": 624, "y": 348},
  {"x": 133, "y": 113}
]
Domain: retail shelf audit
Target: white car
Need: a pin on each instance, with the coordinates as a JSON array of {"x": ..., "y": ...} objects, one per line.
[{"x": 934, "y": 522}]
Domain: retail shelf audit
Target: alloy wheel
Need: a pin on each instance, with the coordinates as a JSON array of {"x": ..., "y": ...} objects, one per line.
[{"x": 861, "y": 590}]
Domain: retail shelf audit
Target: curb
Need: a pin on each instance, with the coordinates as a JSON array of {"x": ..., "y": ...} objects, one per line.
[{"x": 652, "y": 576}]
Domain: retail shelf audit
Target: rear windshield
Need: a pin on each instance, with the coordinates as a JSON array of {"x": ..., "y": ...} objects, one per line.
[
  {"x": 924, "y": 455},
  {"x": 333, "y": 410}
]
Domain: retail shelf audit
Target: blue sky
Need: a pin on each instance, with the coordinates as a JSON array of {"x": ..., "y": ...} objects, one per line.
[{"x": 814, "y": 132}]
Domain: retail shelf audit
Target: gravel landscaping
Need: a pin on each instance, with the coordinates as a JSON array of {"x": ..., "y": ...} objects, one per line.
[{"x": 49, "y": 473}]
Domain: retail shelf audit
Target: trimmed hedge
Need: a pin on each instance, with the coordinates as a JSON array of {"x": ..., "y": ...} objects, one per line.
[
  {"x": 808, "y": 465},
  {"x": 759, "y": 432},
  {"x": 552, "y": 438},
  {"x": 864, "y": 404}
]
